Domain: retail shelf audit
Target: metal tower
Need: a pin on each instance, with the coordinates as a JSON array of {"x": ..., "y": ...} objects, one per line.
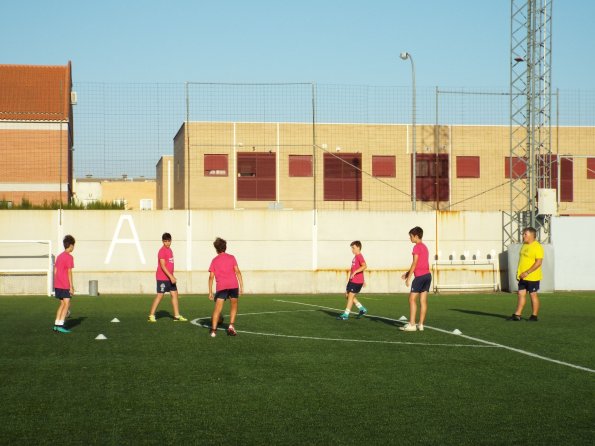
[{"x": 530, "y": 163}]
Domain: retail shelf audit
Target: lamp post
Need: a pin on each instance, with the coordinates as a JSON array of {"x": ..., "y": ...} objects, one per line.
[{"x": 406, "y": 56}]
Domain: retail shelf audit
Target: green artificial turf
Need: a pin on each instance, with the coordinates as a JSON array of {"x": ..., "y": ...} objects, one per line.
[{"x": 169, "y": 383}]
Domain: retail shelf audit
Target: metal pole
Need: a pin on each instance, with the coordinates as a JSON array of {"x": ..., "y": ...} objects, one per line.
[
  {"x": 413, "y": 120},
  {"x": 314, "y": 146}
]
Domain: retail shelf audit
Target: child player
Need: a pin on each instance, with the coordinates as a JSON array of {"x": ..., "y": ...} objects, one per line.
[
  {"x": 529, "y": 274},
  {"x": 224, "y": 270},
  {"x": 355, "y": 283},
  {"x": 166, "y": 281},
  {"x": 420, "y": 268},
  {"x": 63, "y": 285}
]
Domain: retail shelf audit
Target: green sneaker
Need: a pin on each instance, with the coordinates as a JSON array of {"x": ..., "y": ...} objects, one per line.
[
  {"x": 180, "y": 318},
  {"x": 362, "y": 312},
  {"x": 152, "y": 318},
  {"x": 343, "y": 317},
  {"x": 61, "y": 329}
]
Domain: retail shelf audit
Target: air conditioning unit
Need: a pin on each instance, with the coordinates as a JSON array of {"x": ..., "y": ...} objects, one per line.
[
  {"x": 73, "y": 98},
  {"x": 546, "y": 202}
]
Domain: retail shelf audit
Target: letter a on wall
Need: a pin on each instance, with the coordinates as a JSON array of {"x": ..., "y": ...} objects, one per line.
[{"x": 125, "y": 241}]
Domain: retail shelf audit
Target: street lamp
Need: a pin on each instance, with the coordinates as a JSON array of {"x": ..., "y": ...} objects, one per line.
[{"x": 406, "y": 56}]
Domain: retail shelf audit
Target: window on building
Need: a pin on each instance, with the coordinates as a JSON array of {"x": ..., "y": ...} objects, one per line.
[
  {"x": 519, "y": 167},
  {"x": 342, "y": 177},
  {"x": 300, "y": 165},
  {"x": 383, "y": 166},
  {"x": 256, "y": 176},
  {"x": 590, "y": 168},
  {"x": 566, "y": 193},
  {"x": 215, "y": 165},
  {"x": 432, "y": 180},
  {"x": 468, "y": 167},
  {"x": 146, "y": 204}
]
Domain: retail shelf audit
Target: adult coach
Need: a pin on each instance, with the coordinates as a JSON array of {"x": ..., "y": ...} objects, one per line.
[{"x": 529, "y": 274}]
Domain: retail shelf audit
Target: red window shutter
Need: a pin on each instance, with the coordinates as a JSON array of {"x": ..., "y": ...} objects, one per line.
[
  {"x": 383, "y": 166},
  {"x": 591, "y": 168},
  {"x": 256, "y": 176},
  {"x": 468, "y": 167},
  {"x": 342, "y": 177},
  {"x": 519, "y": 167},
  {"x": 215, "y": 165},
  {"x": 566, "y": 179},
  {"x": 300, "y": 165}
]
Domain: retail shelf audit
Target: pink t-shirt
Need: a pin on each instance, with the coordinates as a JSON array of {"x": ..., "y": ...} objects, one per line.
[
  {"x": 168, "y": 255},
  {"x": 356, "y": 263},
  {"x": 64, "y": 262},
  {"x": 223, "y": 268},
  {"x": 423, "y": 259}
]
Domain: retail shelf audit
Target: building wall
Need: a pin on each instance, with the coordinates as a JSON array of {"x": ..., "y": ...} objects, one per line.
[
  {"x": 132, "y": 192},
  {"x": 165, "y": 180},
  {"x": 491, "y": 191},
  {"x": 34, "y": 161}
]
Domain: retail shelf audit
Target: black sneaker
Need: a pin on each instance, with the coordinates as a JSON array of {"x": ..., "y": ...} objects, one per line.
[
  {"x": 533, "y": 318},
  {"x": 514, "y": 317}
]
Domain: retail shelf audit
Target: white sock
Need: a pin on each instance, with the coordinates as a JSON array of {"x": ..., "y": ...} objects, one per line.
[
  {"x": 358, "y": 305},
  {"x": 346, "y": 311},
  {"x": 56, "y": 322}
]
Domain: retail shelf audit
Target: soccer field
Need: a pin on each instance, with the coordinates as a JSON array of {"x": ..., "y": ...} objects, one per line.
[{"x": 296, "y": 375}]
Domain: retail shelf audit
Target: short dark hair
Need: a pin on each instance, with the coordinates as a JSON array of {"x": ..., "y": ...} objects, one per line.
[
  {"x": 68, "y": 241},
  {"x": 532, "y": 230},
  {"x": 417, "y": 231},
  {"x": 356, "y": 243},
  {"x": 166, "y": 237},
  {"x": 220, "y": 245}
]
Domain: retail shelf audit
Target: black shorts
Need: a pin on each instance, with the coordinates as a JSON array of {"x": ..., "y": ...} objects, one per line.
[
  {"x": 165, "y": 286},
  {"x": 224, "y": 294},
  {"x": 529, "y": 285},
  {"x": 354, "y": 287},
  {"x": 61, "y": 293},
  {"x": 421, "y": 284}
]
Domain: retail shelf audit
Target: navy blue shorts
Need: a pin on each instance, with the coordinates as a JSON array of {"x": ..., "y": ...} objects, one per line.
[
  {"x": 354, "y": 287},
  {"x": 61, "y": 293},
  {"x": 165, "y": 286},
  {"x": 224, "y": 294},
  {"x": 421, "y": 284},
  {"x": 529, "y": 285}
]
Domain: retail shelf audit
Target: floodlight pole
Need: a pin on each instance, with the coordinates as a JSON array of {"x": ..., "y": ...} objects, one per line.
[{"x": 406, "y": 56}]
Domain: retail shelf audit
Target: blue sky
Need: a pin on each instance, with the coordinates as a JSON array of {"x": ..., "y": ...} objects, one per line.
[{"x": 455, "y": 43}]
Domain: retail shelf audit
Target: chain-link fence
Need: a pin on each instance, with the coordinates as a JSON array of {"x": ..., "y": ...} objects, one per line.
[{"x": 292, "y": 146}]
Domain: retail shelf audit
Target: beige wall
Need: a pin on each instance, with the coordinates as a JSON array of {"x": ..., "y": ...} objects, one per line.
[
  {"x": 131, "y": 191},
  {"x": 490, "y": 192},
  {"x": 164, "y": 179}
]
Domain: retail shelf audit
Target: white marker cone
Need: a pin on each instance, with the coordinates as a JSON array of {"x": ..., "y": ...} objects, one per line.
[
  {"x": 100, "y": 337},
  {"x": 456, "y": 331},
  {"x": 115, "y": 319},
  {"x": 402, "y": 318}
]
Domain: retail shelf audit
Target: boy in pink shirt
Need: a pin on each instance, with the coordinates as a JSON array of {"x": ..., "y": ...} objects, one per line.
[
  {"x": 224, "y": 269},
  {"x": 355, "y": 283},
  {"x": 166, "y": 281},
  {"x": 63, "y": 285},
  {"x": 420, "y": 268}
]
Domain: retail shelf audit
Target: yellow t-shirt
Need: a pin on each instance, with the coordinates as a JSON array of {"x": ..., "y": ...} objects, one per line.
[{"x": 530, "y": 252}]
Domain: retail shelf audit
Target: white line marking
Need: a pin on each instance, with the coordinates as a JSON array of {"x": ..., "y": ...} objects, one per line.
[
  {"x": 471, "y": 338},
  {"x": 314, "y": 338}
]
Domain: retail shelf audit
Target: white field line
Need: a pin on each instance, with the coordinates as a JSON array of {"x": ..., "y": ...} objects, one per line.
[
  {"x": 471, "y": 338},
  {"x": 366, "y": 341}
]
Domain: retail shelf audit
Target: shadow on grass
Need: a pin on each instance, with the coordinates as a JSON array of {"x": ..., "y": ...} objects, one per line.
[
  {"x": 71, "y": 323},
  {"x": 480, "y": 313},
  {"x": 392, "y": 323},
  {"x": 162, "y": 313}
]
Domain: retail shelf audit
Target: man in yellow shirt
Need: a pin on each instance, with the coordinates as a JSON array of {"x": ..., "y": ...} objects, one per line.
[{"x": 529, "y": 274}]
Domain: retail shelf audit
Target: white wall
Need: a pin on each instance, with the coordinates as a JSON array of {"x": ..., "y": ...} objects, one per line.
[
  {"x": 278, "y": 251},
  {"x": 574, "y": 244}
]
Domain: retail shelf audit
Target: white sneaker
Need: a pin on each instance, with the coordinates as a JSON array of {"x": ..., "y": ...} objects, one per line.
[
  {"x": 213, "y": 333},
  {"x": 408, "y": 327},
  {"x": 420, "y": 327}
]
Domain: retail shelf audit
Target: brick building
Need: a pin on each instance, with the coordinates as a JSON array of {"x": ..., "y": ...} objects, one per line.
[
  {"x": 36, "y": 133},
  {"x": 227, "y": 165}
]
